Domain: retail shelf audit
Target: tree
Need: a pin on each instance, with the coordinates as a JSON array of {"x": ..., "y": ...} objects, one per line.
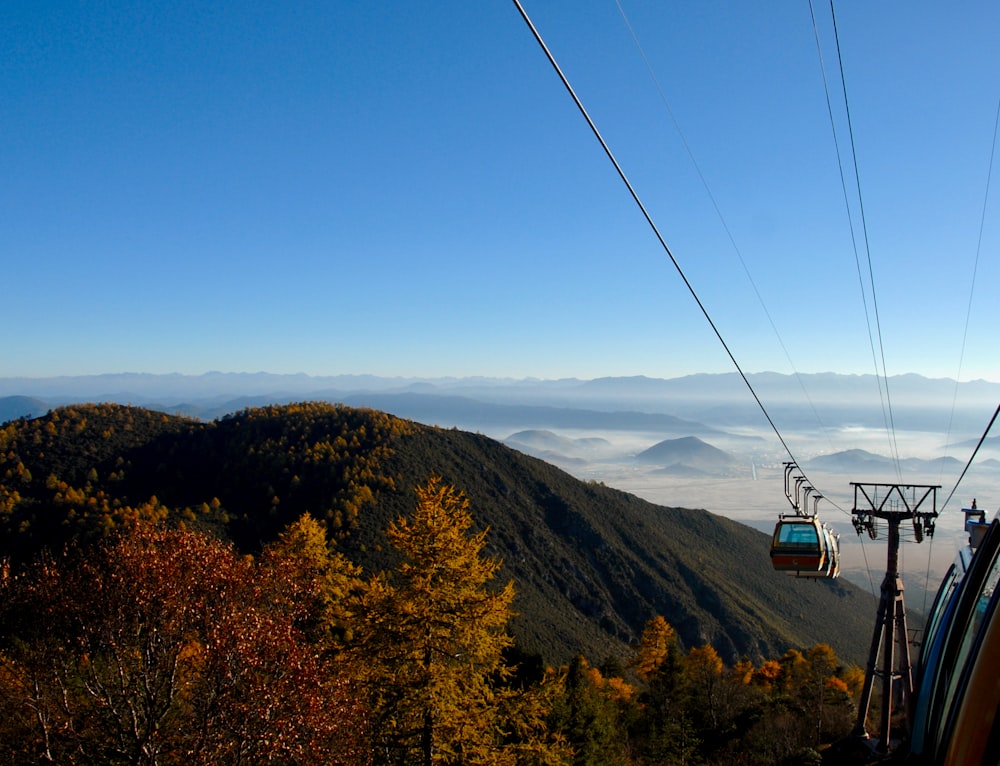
[
  {"x": 589, "y": 715},
  {"x": 159, "y": 648},
  {"x": 704, "y": 675},
  {"x": 658, "y": 639},
  {"x": 430, "y": 638},
  {"x": 667, "y": 731},
  {"x": 310, "y": 576}
]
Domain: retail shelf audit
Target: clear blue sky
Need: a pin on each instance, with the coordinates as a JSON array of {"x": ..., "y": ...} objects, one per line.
[{"x": 407, "y": 189}]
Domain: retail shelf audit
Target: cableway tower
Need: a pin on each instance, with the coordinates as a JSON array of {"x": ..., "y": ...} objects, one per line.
[{"x": 894, "y": 504}]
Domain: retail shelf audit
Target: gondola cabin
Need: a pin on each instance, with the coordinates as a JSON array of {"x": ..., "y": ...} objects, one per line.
[{"x": 799, "y": 545}]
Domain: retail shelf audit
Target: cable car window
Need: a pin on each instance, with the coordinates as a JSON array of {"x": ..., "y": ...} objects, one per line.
[
  {"x": 934, "y": 673},
  {"x": 797, "y": 534},
  {"x": 969, "y": 636},
  {"x": 978, "y": 613},
  {"x": 971, "y": 723},
  {"x": 948, "y": 584}
]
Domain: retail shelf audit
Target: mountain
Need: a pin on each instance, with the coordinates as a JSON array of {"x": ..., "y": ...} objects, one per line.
[
  {"x": 703, "y": 401},
  {"x": 14, "y": 407},
  {"x": 591, "y": 564},
  {"x": 688, "y": 454},
  {"x": 557, "y": 449},
  {"x": 859, "y": 461}
]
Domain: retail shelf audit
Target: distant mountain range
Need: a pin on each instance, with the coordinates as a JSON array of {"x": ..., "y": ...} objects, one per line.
[
  {"x": 637, "y": 392},
  {"x": 717, "y": 409},
  {"x": 711, "y": 398},
  {"x": 858, "y": 461}
]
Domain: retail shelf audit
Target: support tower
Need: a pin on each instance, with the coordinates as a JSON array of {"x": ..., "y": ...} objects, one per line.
[{"x": 894, "y": 503}]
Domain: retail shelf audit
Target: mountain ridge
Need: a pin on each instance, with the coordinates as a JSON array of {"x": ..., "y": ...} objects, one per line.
[
  {"x": 713, "y": 400},
  {"x": 591, "y": 563}
]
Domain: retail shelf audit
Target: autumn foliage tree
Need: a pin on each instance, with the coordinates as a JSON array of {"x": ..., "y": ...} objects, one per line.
[
  {"x": 698, "y": 710},
  {"x": 313, "y": 582},
  {"x": 592, "y": 713},
  {"x": 146, "y": 645},
  {"x": 431, "y": 636},
  {"x": 160, "y": 647}
]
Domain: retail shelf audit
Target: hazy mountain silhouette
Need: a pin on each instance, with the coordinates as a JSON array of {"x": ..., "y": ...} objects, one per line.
[
  {"x": 688, "y": 454},
  {"x": 13, "y": 407},
  {"x": 710, "y": 400}
]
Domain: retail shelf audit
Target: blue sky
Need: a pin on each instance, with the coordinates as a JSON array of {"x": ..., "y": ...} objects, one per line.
[{"x": 407, "y": 189}]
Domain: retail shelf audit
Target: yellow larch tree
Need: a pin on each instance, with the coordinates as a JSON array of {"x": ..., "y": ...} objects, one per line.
[{"x": 430, "y": 639}]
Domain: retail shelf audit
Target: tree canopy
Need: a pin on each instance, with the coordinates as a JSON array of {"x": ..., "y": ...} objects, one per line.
[
  {"x": 163, "y": 647},
  {"x": 431, "y": 641}
]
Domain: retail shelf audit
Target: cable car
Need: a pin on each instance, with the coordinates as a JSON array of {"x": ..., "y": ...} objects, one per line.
[{"x": 803, "y": 545}]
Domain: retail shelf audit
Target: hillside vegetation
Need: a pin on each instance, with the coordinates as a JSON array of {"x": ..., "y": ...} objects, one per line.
[{"x": 591, "y": 565}]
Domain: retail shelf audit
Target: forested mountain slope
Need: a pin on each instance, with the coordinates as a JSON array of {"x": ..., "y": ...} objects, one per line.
[{"x": 591, "y": 564}]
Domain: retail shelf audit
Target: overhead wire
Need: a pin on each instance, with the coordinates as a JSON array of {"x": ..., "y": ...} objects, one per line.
[
  {"x": 881, "y": 372},
  {"x": 655, "y": 229},
  {"x": 878, "y": 357},
  {"x": 868, "y": 253},
  {"x": 875, "y": 338},
  {"x": 884, "y": 396},
  {"x": 649, "y": 220},
  {"x": 739, "y": 255},
  {"x": 718, "y": 210},
  {"x": 972, "y": 457},
  {"x": 975, "y": 269},
  {"x": 965, "y": 333},
  {"x": 958, "y": 481}
]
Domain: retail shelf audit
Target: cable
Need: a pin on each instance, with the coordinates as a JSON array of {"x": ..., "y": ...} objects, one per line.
[
  {"x": 884, "y": 397},
  {"x": 649, "y": 220},
  {"x": 972, "y": 456},
  {"x": 645, "y": 213},
  {"x": 982, "y": 226},
  {"x": 718, "y": 212},
  {"x": 975, "y": 269},
  {"x": 864, "y": 228}
]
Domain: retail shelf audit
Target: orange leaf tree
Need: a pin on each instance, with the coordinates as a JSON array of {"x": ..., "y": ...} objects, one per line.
[{"x": 159, "y": 647}]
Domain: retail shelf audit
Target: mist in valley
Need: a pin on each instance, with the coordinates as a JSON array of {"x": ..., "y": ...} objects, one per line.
[
  {"x": 751, "y": 489},
  {"x": 698, "y": 441}
]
